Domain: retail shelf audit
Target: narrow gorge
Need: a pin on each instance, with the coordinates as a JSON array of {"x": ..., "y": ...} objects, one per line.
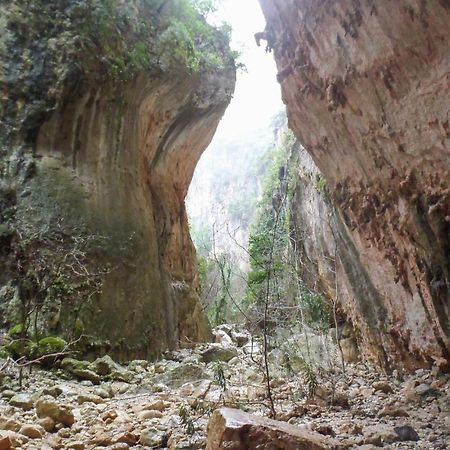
[{"x": 298, "y": 297}]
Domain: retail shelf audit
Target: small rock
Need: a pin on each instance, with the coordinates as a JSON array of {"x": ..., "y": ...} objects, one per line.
[
  {"x": 217, "y": 352},
  {"x": 119, "y": 446},
  {"x": 184, "y": 373},
  {"x": 54, "y": 391},
  {"x": 5, "y": 442},
  {"x": 379, "y": 435},
  {"x": 48, "y": 407},
  {"x": 393, "y": 411},
  {"x": 425, "y": 390},
  {"x": 407, "y": 433},
  {"x": 101, "y": 392},
  {"x": 9, "y": 424},
  {"x": 104, "y": 366},
  {"x": 89, "y": 398},
  {"x": 16, "y": 440},
  {"x": 109, "y": 416},
  {"x": 383, "y": 386},
  {"x": 139, "y": 364},
  {"x": 152, "y": 437},
  {"x": 76, "y": 445},
  {"x": 128, "y": 438},
  {"x": 152, "y": 414},
  {"x": 23, "y": 401},
  {"x": 8, "y": 393},
  {"x": 157, "y": 405},
  {"x": 47, "y": 423},
  {"x": 31, "y": 431}
]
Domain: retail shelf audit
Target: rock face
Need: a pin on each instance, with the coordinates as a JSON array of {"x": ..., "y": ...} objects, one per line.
[
  {"x": 234, "y": 430},
  {"x": 98, "y": 147},
  {"x": 366, "y": 87}
]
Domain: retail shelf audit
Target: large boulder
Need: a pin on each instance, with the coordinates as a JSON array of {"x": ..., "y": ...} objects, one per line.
[{"x": 233, "y": 429}]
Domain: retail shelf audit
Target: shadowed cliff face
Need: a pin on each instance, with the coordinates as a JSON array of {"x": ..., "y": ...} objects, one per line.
[
  {"x": 366, "y": 84},
  {"x": 95, "y": 172}
]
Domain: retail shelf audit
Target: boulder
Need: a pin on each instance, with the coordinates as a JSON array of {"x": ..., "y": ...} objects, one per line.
[{"x": 233, "y": 429}]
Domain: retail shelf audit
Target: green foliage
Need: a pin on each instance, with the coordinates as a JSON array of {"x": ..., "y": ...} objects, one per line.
[
  {"x": 320, "y": 184},
  {"x": 218, "y": 309},
  {"x": 120, "y": 40},
  {"x": 219, "y": 375},
  {"x": 51, "y": 344},
  {"x": 17, "y": 330},
  {"x": 269, "y": 232},
  {"x": 311, "y": 380},
  {"x": 187, "y": 40},
  {"x": 185, "y": 413},
  {"x": 316, "y": 308}
]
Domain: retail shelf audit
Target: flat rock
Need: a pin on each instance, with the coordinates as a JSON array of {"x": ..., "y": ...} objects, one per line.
[
  {"x": 393, "y": 411},
  {"x": 218, "y": 352},
  {"x": 90, "y": 398},
  {"x": 232, "y": 429},
  {"x": 379, "y": 435},
  {"x": 32, "y": 431},
  {"x": 23, "y": 401}
]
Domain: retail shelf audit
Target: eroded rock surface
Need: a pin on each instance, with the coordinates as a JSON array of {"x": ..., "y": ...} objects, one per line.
[
  {"x": 366, "y": 86},
  {"x": 99, "y": 140}
]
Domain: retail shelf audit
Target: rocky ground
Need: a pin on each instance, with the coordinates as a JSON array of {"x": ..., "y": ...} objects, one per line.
[{"x": 167, "y": 404}]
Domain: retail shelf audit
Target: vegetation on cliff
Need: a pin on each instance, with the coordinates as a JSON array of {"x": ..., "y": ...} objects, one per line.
[{"x": 55, "y": 252}]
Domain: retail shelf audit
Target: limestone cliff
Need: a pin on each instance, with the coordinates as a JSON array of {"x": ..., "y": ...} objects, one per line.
[
  {"x": 366, "y": 84},
  {"x": 105, "y": 111}
]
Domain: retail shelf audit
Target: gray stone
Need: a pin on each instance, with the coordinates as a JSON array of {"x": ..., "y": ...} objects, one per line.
[
  {"x": 24, "y": 401},
  {"x": 407, "y": 433},
  {"x": 217, "y": 352},
  {"x": 104, "y": 366},
  {"x": 152, "y": 437},
  {"x": 184, "y": 373}
]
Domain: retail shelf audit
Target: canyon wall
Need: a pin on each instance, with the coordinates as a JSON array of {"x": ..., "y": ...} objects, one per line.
[
  {"x": 102, "y": 126},
  {"x": 366, "y": 84}
]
